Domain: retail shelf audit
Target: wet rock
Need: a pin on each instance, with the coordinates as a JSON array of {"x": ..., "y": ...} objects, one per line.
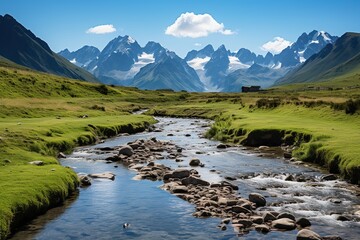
[
  {"x": 188, "y": 135},
  {"x": 228, "y": 184},
  {"x": 222, "y": 227},
  {"x": 262, "y": 148},
  {"x": 179, "y": 150},
  {"x": 61, "y": 155},
  {"x": 257, "y": 219},
  {"x": 195, "y": 162},
  {"x": 221, "y": 146},
  {"x": 306, "y": 234},
  {"x": 194, "y": 181},
  {"x": 342, "y": 218},
  {"x": 286, "y": 215},
  {"x": 268, "y": 217},
  {"x": 126, "y": 150},
  {"x": 287, "y": 155},
  {"x": 179, "y": 189},
  {"x": 262, "y": 228},
  {"x": 328, "y": 177},
  {"x": 284, "y": 224},
  {"x": 178, "y": 173},
  {"x": 331, "y": 238},
  {"x": 170, "y": 135},
  {"x": 245, "y": 222},
  {"x": 226, "y": 220},
  {"x": 84, "y": 180},
  {"x": 37, "y": 163},
  {"x": 303, "y": 222},
  {"x": 258, "y": 199},
  {"x": 106, "y": 175},
  {"x": 335, "y": 200},
  {"x": 230, "y": 178},
  {"x": 134, "y": 145},
  {"x": 239, "y": 209},
  {"x": 290, "y": 178}
]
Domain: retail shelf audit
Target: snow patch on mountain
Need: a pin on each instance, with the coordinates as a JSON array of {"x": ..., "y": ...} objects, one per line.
[
  {"x": 198, "y": 63},
  {"x": 235, "y": 64}
]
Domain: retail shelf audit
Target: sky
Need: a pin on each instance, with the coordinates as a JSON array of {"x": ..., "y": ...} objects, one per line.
[{"x": 183, "y": 25}]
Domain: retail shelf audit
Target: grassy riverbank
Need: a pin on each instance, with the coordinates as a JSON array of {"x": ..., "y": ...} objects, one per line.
[{"x": 41, "y": 115}]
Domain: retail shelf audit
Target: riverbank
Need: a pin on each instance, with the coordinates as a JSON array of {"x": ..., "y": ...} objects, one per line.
[
  {"x": 316, "y": 134},
  {"x": 29, "y": 148}
]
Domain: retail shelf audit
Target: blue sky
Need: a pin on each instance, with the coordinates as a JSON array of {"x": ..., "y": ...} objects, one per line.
[{"x": 235, "y": 23}]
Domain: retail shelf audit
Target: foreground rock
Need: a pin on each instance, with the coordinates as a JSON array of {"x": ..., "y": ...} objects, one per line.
[
  {"x": 258, "y": 199},
  {"x": 106, "y": 175},
  {"x": 306, "y": 234},
  {"x": 284, "y": 224},
  {"x": 194, "y": 162}
]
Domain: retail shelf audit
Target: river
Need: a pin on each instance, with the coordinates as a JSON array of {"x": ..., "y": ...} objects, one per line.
[{"x": 100, "y": 210}]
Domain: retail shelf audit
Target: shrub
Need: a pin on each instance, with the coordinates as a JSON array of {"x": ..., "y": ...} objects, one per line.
[{"x": 103, "y": 89}]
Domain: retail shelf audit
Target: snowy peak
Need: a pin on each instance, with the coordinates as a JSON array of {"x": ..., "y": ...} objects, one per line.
[
  {"x": 81, "y": 57},
  {"x": 203, "y": 53}
]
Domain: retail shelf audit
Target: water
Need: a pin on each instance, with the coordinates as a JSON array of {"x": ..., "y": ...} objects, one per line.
[{"x": 99, "y": 211}]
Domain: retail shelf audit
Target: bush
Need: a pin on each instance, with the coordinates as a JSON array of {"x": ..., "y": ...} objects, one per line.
[
  {"x": 103, "y": 89},
  {"x": 268, "y": 103}
]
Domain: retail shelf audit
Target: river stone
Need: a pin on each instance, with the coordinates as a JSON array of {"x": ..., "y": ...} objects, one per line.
[
  {"x": 177, "y": 173},
  {"x": 246, "y": 222},
  {"x": 126, "y": 150},
  {"x": 179, "y": 189},
  {"x": 61, "y": 155},
  {"x": 306, "y": 234},
  {"x": 286, "y": 215},
  {"x": 268, "y": 217},
  {"x": 262, "y": 228},
  {"x": 226, "y": 220},
  {"x": 287, "y": 155},
  {"x": 194, "y": 181},
  {"x": 228, "y": 184},
  {"x": 331, "y": 237},
  {"x": 328, "y": 177},
  {"x": 222, "y": 227},
  {"x": 221, "y": 146},
  {"x": 258, "y": 199},
  {"x": 84, "y": 180},
  {"x": 342, "y": 218},
  {"x": 37, "y": 163},
  {"x": 239, "y": 209},
  {"x": 284, "y": 224},
  {"x": 303, "y": 222},
  {"x": 264, "y": 148},
  {"x": 257, "y": 219},
  {"x": 106, "y": 175},
  {"x": 195, "y": 162}
]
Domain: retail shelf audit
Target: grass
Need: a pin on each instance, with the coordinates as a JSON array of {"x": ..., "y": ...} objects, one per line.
[{"x": 42, "y": 114}]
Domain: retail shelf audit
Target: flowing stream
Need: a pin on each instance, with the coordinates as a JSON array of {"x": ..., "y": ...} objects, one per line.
[{"x": 100, "y": 210}]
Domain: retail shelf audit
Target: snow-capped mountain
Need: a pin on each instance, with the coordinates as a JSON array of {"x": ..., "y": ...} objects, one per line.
[
  {"x": 81, "y": 57},
  {"x": 124, "y": 62}
]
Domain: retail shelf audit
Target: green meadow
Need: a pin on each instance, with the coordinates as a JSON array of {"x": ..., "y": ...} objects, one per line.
[{"x": 42, "y": 115}]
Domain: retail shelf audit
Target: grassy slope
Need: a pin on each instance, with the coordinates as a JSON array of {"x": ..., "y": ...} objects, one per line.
[
  {"x": 39, "y": 116},
  {"x": 334, "y": 135}
]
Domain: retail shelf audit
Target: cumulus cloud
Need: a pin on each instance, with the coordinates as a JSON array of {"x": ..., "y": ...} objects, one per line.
[
  {"x": 194, "y": 25},
  {"x": 276, "y": 45},
  {"x": 102, "y": 29}
]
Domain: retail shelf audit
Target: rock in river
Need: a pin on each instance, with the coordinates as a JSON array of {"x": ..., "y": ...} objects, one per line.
[
  {"x": 126, "y": 150},
  {"x": 258, "y": 199},
  {"x": 195, "y": 162},
  {"x": 284, "y": 224},
  {"x": 106, "y": 175},
  {"x": 306, "y": 234}
]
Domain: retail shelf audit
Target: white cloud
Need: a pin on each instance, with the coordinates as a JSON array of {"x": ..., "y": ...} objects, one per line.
[
  {"x": 102, "y": 29},
  {"x": 276, "y": 46},
  {"x": 198, "y": 44},
  {"x": 195, "y": 26}
]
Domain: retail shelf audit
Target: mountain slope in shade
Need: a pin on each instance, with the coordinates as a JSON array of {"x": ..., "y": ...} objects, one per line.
[
  {"x": 22, "y": 47},
  {"x": 171, "y": 72},
  {"x": 331, "y": 61},
  {"x": 81, "y": 57}
]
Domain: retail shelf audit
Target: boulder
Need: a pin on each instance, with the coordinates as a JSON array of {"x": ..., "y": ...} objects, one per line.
[
  {"x": 226, "y": 220},
  {"x": 262, "y": 228},
  {"x": 306, "y": 234},
  {"x": 288, "y": 155},
  {"x": 126, "y": 150},
  {"x": 239, "y": 209},
  {"x": 61, "y": 155},
  {"x": 195, "y": 162},
  {"x": 284, "y": 224},
  {"x": 342, "y": 218},
  {"x": 178, "y": 173},
  {"x": 257, "y": 219},
  {"x": 286, "y": 215},
  {"x": 84, "y": 180},
  {"x": 37, "y": 163},
  {"x": 268, "y": 217},
  {"x": 194, "y": 181},
  {"x": 179, "y": 189},
  {"x": 258, "y": 199},
  {"x": 303, "y": 222},
  {"x": 106, "y": 175},
  {"x": 328, "y": 177},
  {"x": 228, "y": 184},
  {"x": 221, "y": 146},
  {"x": 245, "y": 222}
]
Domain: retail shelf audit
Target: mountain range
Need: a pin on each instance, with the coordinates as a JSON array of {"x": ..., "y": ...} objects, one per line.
[
  {"x": 124, "y": 62},
  {"x": 22, "y": 47},
  {"x": 315, "y": 56}
]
